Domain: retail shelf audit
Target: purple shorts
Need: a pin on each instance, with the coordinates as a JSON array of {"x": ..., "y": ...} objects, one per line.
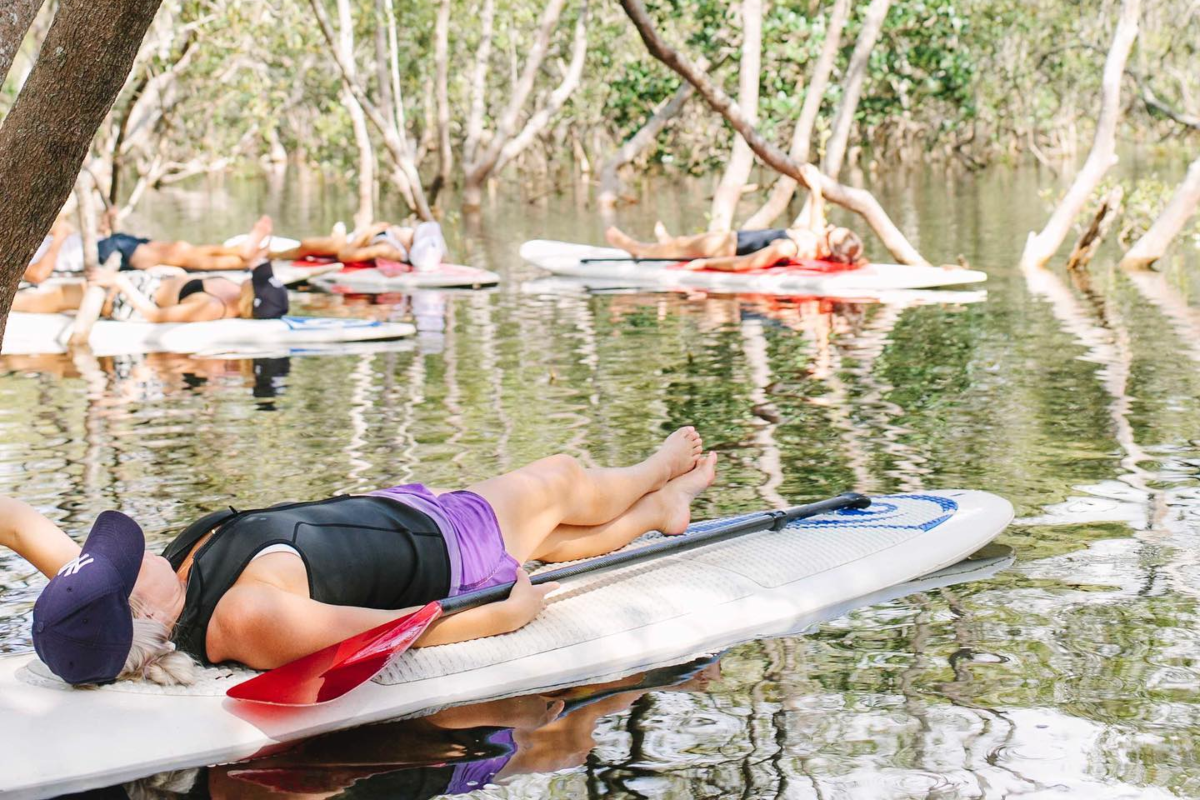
[{"x": 472, "y": 533}]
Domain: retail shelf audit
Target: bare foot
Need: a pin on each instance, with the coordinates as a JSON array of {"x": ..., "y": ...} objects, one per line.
[
  {"x": 677, "y": 496},
  {"x": 617, "y": 238},
  {"x": 661, "y": 233},
  {"x": 257, "y": 240},
  {"x": 678, "y": 454}
]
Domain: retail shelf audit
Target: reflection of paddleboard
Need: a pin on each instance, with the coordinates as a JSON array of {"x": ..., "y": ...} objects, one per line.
[
  {"x": 58, "y": 739},
  {"x": 555, "y": 285},
  {"x": 372, "y": 281},
  {"x": 606, "y": 263},
  {"x": 48, "y": 333}
]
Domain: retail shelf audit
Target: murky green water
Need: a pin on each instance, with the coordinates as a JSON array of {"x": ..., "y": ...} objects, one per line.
[{"x": 1073, "y": 672}]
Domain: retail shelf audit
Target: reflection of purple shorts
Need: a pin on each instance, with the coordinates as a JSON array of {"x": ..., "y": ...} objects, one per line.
[{"x": 472, "y": 533}]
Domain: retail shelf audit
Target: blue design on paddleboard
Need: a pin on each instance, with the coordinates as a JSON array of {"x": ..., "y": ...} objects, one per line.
[
  {"x": 328, "y": 323},
  {"x": 885, "y": 511}
]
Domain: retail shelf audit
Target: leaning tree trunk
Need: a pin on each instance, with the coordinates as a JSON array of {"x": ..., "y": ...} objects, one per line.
[
  {"x": 1039, "y": 247},
  {"x": 610, "y": 173},
  {"x": 857, "y": 200},
  {"x": 741, "y": 160},
  {"x": 856, "y": 75},
  {"x": 1170, "y": 222},
  {"x": 14, "y": 22},
  {"x": 84, "y": 62},
  {"x": 785, "y": 187}
]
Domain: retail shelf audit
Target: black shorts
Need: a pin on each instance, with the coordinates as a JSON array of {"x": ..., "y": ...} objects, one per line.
[
  {"x": 121, "y": 243},
  {"x": 752, "y": 241}
]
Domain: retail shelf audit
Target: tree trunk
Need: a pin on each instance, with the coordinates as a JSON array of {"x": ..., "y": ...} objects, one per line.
[
  {"x": 610, "y": 173},
  {"x": 393, "y": 131},
  {"x": 1040, "y": 247},
  {"x": 1170, "y": 222},
  {"x": 84, "y": 63},
  {"x": 441, "y": 58},
  {"x": 741, "y": 160},
  {"x": 478, "y": 171},
  {"x": 365, "y": 214},
  {"x": 856, "y": 74},
  {"x": 479, "y": 82},
  {"x": 14, "y": 22},
  {"x": 785, "y": 187},
  {"x": 856, "y": 200}
]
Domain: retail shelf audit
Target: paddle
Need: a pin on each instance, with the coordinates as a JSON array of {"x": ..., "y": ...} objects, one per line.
[
  {"x": 633, "y": 260},
  {"x": 333, "y": 671}
]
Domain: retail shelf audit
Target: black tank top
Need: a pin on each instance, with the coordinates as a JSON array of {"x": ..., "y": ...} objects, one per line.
[{"x": 371, "y": 552}]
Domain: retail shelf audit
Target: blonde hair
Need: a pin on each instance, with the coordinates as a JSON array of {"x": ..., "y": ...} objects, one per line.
[
  {"x": 245, "y": 302},
  {"x": 152, "y": 656}
]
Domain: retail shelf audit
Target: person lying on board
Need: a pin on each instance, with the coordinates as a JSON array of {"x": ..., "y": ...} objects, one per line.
[
  {"x": 157, "y": 297},
  {"x": 271, "y": 585},
  {"x": 61, "y": 253},
  {"x": 423, "y": 247},
  {"x": 741, "y": 251}
]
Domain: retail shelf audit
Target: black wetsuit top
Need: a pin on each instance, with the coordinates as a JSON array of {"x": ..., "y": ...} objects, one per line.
[
  {"x": 194, "y": 286},
  {"x": 371, "y": 552},
  {"x": 752, "y": 241}
]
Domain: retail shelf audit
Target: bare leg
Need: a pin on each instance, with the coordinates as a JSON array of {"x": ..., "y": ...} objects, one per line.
[
  {"x": 667, "y": 510},
  {"x": 53, "y": 299},
  {"x": 534, "y": 500},
  {"x": 350, "y": 255},
  {"x": 661, "y": 234},
  {"x": 703, "y": 245}
]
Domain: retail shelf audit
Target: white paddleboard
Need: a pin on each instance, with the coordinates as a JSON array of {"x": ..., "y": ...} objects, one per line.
[
  {"x": 586, "y": 261},
  {"x": 555, "y": 285},
  {"x": 372, "y": 281},
  {"x": 57, "y": 739},
  {"x": 48, "y": 333}
]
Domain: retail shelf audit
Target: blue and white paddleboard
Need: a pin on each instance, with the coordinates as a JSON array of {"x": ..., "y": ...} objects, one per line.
[{"x": 57, "y": 739}]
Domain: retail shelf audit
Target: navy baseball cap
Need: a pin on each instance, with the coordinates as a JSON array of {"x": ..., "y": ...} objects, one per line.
[
  {"x": 270, "y": 295},
  {"x": 82, "y": 623}
]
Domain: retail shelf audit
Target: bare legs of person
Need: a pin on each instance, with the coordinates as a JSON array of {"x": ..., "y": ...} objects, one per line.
[
  {"x": 557, "y": 510},
  {"x": 703, "y": 245},
  {"x": 50, "y": 298},
  {"x": 205, "y": 257}
]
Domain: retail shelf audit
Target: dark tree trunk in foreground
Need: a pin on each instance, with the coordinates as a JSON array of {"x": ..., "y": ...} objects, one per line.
[
  {"x": 859, "y": 201},
  {"x": 14, "y": 22},
  {"x": 83, "y": 64}
]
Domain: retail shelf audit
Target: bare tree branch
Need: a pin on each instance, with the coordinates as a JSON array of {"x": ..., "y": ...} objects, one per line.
[
  {"x": 857, "y": 200},
  {"x": 441, "y": 58},
  {"x": 785, "y": 187},
  {"x": 1039, "y": 247},
  {"x": 540, "y": 118},
  {"x": 610, "y": 176},
  {"x": 1170, "y": 222},
  {"x": 479, "y": 82},
  {"x": 1089, "y": 241},
  {"x": 856, "y": 74}
]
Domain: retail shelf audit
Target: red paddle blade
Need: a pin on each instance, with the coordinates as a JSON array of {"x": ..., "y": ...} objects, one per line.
[{"x": 333, "y": 671}]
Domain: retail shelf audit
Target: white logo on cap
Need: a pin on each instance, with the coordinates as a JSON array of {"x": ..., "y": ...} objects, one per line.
[{"x": 74, "y": 565}]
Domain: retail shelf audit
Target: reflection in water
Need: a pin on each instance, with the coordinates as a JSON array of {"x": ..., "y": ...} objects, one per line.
[{"x": 1076, "y": 671}]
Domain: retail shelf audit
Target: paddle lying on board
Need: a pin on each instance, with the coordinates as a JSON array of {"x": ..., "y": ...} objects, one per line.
[{"x": 333, "y": 671}]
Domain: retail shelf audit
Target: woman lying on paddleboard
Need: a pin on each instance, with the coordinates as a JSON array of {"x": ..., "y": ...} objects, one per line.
[
  {"x": 423, "y": 247},
  {"x": 741, "y": 251},
  {"x": 271, "y": 585},
  {"x": 153, "y": 296}
]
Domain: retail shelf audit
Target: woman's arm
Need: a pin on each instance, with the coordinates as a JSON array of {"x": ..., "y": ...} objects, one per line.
[
  {"x": 816, "y": 221},
  {"x": 769, "y": 256},
  {"x": 264, "y": 627},
  {"x": 35, "y": 538},
  {"x": 201, "y": 309}
]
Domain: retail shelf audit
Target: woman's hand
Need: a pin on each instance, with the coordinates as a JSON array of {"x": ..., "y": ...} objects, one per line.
[
  {"x": 524, "y": 602},
  {"x": 697, "y": 264},
  {"x": 102, "y": 277}
]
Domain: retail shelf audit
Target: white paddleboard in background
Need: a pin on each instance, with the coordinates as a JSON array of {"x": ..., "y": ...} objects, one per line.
[
  {"x": 48, "y": 333},
  {"x": 276, "y": 245},
  {"x": 555, "y": 285},
  {"x": 57, "y": 739},
  {"x": 607, "y": 263},
  {"x": 372, "y": 281}
]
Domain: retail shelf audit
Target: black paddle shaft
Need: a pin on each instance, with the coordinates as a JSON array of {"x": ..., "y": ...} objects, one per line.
[
  {"x": 767, "y": 520},
  {"x": 632, "y": 260}
]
